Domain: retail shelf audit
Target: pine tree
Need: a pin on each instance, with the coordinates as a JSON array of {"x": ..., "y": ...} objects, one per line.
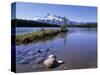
[{"x": 65, "y": 24}]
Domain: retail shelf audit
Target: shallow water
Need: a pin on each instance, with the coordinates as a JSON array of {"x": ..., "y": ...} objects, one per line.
[{"x": 77, "y": 48}]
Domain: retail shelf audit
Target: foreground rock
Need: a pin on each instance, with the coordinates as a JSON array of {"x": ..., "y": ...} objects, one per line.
[{"x": 51, "y": 62}]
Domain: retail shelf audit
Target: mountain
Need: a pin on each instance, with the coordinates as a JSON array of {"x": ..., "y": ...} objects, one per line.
[
  {"x": 53, "y": 19},
  {"x": 31, "y": 23}
]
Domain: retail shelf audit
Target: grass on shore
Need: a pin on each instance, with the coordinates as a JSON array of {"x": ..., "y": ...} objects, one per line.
[{"x": 36, "y": 36}]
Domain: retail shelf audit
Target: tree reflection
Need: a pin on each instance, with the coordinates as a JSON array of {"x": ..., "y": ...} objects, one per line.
[{"x": 64, "y": 35}]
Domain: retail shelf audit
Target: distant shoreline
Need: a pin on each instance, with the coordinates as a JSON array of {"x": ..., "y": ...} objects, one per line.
[{"x": 31, "y": 23}]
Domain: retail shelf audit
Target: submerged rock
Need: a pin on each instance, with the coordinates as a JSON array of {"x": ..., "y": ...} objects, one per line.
[
  {"x": 39, "y": 60},
  {"x": 24, "y": 62}
]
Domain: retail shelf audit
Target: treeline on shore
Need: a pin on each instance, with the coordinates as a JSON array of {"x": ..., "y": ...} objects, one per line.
[
  {"x": 86, "y": 25},
  {"x": 30, "y": 23}
]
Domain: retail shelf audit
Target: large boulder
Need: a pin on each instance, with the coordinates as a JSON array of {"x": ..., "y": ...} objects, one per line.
[{"x": 51, "y": 62}]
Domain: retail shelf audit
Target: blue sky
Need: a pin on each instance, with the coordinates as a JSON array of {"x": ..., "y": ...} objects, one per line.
[{"x": 73, "y": 13}]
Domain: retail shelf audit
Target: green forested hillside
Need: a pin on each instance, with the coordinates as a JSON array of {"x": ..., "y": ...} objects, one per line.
[{"x": 30, "y": 23}]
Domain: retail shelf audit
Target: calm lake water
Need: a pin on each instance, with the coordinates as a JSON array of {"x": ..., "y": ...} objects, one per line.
[
  {"x": 77, "y": 48},
  {"x": 25, "y": 30}
]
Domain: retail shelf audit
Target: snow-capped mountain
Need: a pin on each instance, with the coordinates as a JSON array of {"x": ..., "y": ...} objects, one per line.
[{"x": 53, "y": 19}]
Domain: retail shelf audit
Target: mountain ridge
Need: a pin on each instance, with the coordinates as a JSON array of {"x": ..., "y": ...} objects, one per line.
[{"x": 53, "y": 19}]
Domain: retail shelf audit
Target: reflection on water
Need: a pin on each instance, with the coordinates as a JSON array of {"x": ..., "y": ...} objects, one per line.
[
  {"x": 77, "y": 48},
  {"x": 21, "y": 30}
]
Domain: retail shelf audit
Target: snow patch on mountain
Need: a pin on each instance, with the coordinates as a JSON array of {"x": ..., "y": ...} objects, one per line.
[{"x": 53, "y": 19}]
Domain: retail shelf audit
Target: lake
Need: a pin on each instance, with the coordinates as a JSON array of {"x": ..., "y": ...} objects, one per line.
[
  {"x": 21, "y": 30},
  {"x": 77, "y": 48}
]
